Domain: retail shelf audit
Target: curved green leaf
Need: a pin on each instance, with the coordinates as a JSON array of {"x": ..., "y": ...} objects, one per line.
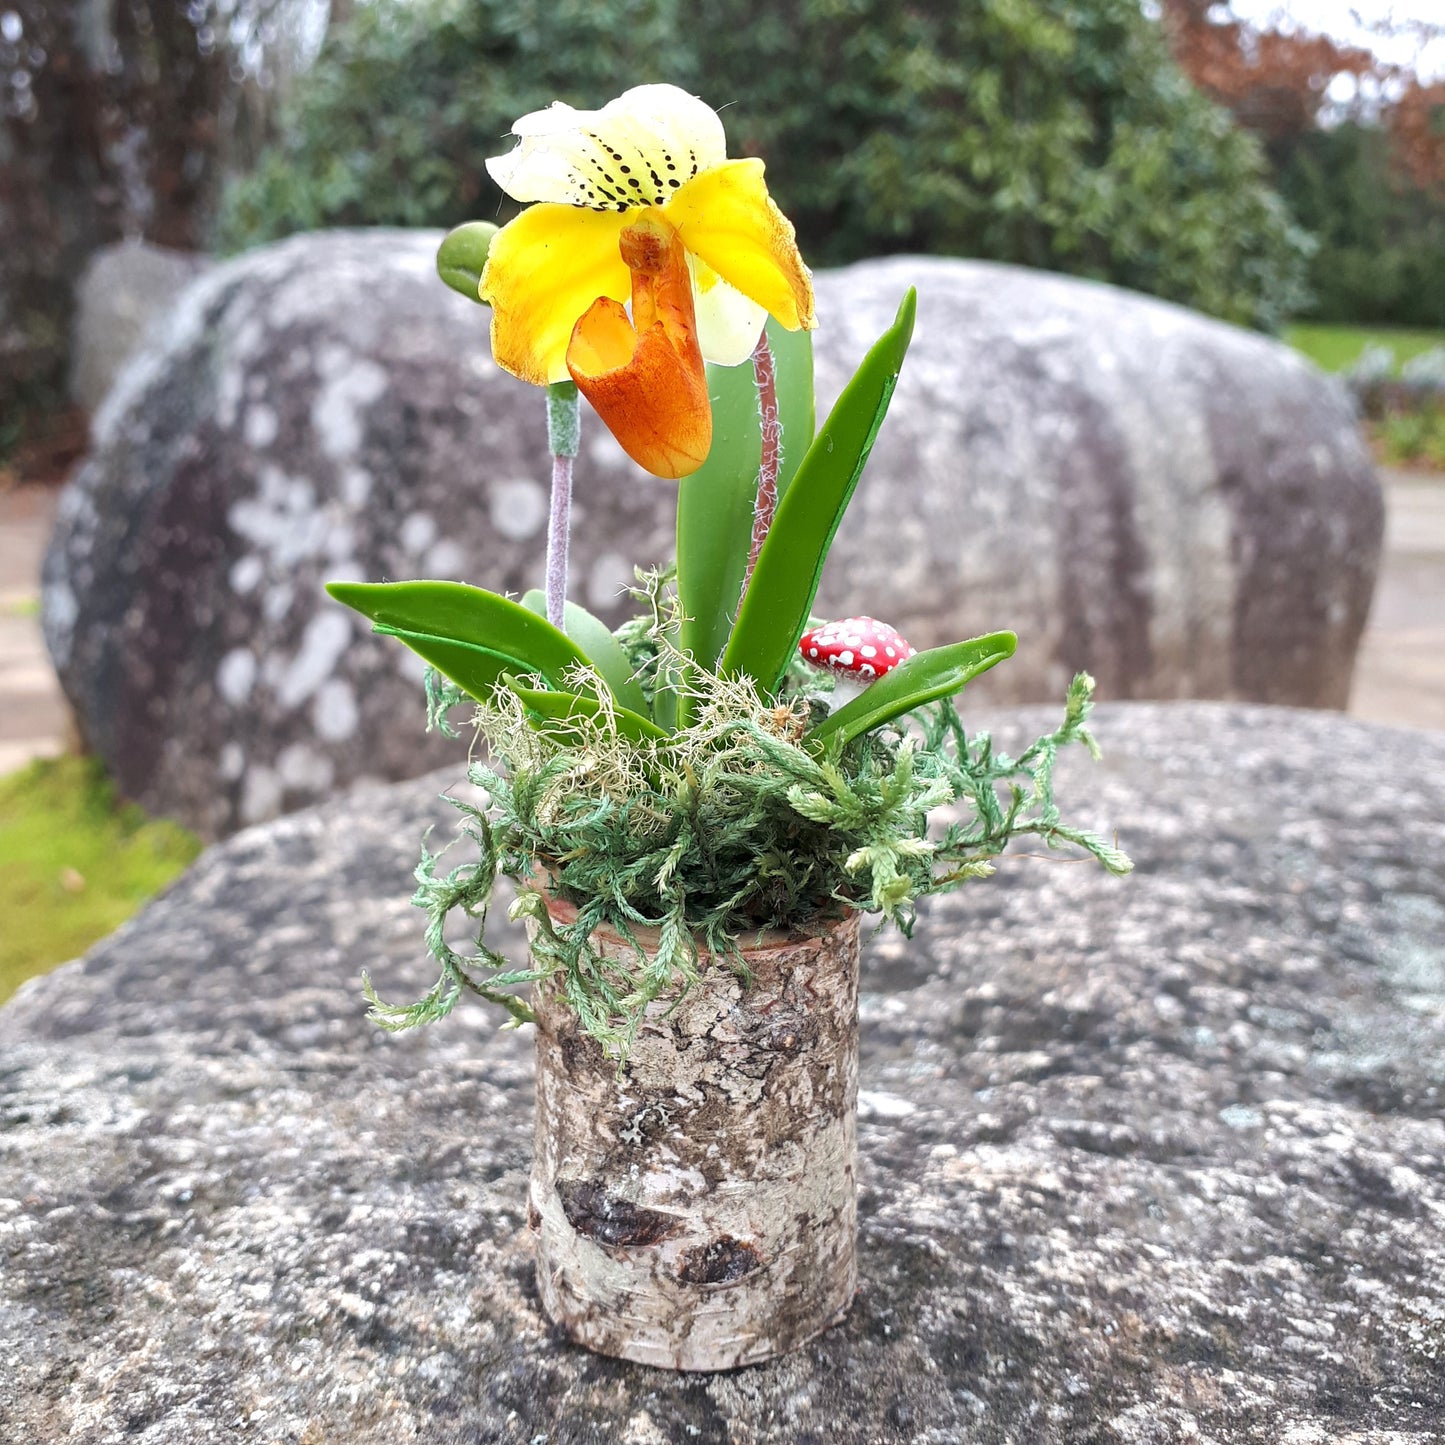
[
  {"x": 481, "y": 633},
  {"x": 790, "y": 566},
  {"x": 594, "y": 637},
  {"x": 715, "y": 504},
  {"x": 478, "y": 671},
  {"x": 924, "y": 678},
  {"x": 555, "y": 710}
]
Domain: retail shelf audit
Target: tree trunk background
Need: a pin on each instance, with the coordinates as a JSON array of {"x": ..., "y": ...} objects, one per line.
[{"x": 698, "y": 1210}]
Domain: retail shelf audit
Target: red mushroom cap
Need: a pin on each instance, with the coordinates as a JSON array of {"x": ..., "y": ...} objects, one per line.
[{"x": 857, "y": 647}]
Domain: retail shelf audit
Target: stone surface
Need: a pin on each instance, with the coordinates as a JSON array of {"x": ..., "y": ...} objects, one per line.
[
  {"x": 1140, "y": 1161},
  {"x": 1181, "y": 507},
  {"x": 123, "y": 289}
]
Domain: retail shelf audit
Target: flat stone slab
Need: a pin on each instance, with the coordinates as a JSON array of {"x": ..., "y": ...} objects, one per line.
[{"x": 1142, "y": 1161}]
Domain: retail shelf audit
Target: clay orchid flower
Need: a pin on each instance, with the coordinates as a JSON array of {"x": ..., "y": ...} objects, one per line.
[{"x": 638, "y": 202}]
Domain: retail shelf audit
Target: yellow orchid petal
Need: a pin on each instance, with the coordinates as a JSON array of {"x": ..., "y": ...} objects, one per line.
[
  {"x": 728, "y": 323},
  {"x": 543, "y": 271},
  {"x": 726, "y": 218},
  {"x": 636, "y": 151}
]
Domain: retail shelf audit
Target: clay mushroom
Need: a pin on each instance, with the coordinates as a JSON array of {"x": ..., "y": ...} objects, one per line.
[{"x": 857, "y": 650}]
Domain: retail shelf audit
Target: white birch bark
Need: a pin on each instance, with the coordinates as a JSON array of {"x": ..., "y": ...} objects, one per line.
[{"x": 699, "y": 1210}]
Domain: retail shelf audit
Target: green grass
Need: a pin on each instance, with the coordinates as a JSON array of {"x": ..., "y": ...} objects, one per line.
[
  {"x": 74, "y": 864},
  {"x": 1337, "y": 348}
]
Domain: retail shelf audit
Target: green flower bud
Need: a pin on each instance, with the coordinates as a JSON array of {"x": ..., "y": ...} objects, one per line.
[{"x": 462, "y": 254}]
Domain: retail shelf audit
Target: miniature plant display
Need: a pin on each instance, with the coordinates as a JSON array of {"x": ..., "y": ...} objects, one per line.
[{"x": 698, "y": 807}]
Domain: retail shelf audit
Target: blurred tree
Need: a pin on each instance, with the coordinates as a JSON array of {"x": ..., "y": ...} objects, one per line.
[
  {"x": 1057, "y": 133},
  {"x": 411, "y": 96},
  {"x": 116, "y": 117},
  {"x": 1381, "y": 258},
  {"x": 1417, "y": 128},
  {"x": 1274, "y": 82},
  {"x": 1364, "y": 171}
]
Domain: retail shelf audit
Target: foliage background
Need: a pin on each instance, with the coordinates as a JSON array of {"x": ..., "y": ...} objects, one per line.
[
  {"x": 1356, "y": 144},
  {"x": 1381, "y": 240},
  {"x": 118, "y": 119},
  {"x": 1055, "y": 133}
]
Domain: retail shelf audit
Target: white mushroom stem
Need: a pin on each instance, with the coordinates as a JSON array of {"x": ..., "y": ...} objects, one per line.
[{"x": 845, "y": 689}]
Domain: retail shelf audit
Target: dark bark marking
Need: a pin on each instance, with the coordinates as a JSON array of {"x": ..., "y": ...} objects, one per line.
[
  {"x": 724, "y": 1261},
  {"x": 609, "y": 1220}
]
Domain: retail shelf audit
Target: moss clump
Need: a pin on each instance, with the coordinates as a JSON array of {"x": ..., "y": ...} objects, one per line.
[
  {"x": 731, "y": 827},
  {"x": 75, "y": 863}
]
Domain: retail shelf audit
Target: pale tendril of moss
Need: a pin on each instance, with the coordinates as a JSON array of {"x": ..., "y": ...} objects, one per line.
[{"x": 716, "y": 834}]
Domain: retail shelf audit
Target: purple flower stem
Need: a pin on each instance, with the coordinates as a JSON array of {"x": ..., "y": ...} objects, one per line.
[
  {"x": 766, "y": 379},
  {"x": 564, "y": 435}
]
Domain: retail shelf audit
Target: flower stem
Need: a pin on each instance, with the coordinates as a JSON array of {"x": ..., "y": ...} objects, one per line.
[
  {"x": 772, "y": 452},
  {"x": 564, "y": 434}
]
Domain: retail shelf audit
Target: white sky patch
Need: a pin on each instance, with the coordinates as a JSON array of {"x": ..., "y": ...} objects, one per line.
[{"x": 1361, "y": 23}]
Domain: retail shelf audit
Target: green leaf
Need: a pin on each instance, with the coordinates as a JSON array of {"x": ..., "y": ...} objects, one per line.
[
  {"x": 555, "y": 710},
  {"x": 478, "y": 671},
  {"x": 790, "y": 566},
  {"x": 469, "y": 635},
  {"x": 924, "y": 678},
  {"x": 594, "y": 637},
  {"x": 715, "y": 504}
]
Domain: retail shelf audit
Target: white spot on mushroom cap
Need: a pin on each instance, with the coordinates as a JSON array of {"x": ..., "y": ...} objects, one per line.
[{"x": 842, "y": 644}]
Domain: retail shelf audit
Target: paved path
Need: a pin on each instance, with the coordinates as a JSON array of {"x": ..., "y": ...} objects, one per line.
[
  {"x": 33, "y": 719},
  {"x": 1400, "y": 677}
]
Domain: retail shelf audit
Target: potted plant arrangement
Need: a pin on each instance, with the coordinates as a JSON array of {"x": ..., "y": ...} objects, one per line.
[{"x": 699, "y": 807}]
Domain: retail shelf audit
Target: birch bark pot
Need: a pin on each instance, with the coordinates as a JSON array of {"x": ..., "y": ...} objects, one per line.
[{"x": 698, "y": 1211}]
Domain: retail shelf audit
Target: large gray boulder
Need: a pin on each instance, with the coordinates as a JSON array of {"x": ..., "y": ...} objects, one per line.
[
  {"x": 123, "y": 289},
  {"x": 1141, "y": 1162},
  {"x": 1181, "y": 507}
]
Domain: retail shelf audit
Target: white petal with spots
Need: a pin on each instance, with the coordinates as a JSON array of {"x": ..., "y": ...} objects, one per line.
[{"x": 636, "y": 151}]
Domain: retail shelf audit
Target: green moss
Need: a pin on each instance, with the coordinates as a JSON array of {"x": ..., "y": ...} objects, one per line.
[
  {"x": 1337, "y": 348},
  {"x": 735, "y": 825},
  {"x": 75, "y": 863}
]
